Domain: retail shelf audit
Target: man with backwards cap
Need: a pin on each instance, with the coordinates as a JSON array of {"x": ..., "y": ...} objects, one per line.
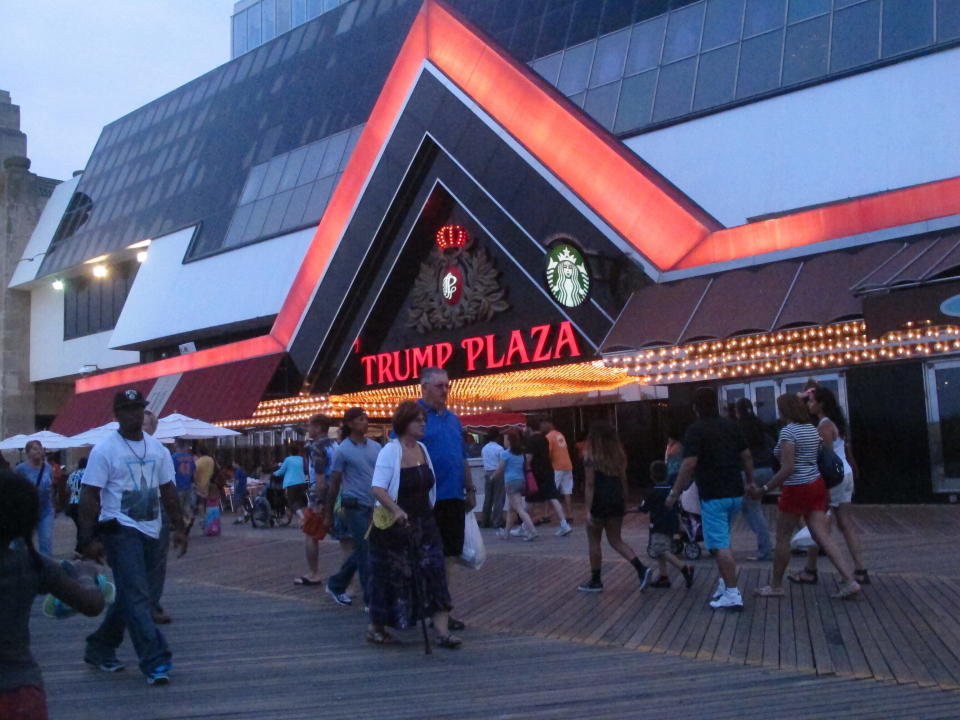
[
  {"x": 129, "y": 473},
  {"x": 353, "y": 465}
]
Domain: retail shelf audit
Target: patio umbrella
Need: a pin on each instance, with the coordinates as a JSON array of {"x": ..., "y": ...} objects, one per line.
[
  {"x": 93, "y": 436},
  {"x": 181, "y": 426},
  {"x": 49, "y": 440},
  {"x": 14, "y": 442}
]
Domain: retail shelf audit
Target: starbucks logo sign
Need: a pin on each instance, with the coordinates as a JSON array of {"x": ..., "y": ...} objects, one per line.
[{"x": 567, "y": 276}]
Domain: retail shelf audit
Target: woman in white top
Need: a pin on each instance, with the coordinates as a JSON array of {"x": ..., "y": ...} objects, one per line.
[
  {"x": 832, "y": 426},
  {"x": 804, "y": 496}
]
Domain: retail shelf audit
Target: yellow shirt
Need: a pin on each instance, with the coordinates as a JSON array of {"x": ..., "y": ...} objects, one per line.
[
  {"x": 559, "y": 455},
  {"x": 203, "y": 474}
]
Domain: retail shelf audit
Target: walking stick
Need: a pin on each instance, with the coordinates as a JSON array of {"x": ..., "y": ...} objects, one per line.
[{"x": 419, "y": 595}]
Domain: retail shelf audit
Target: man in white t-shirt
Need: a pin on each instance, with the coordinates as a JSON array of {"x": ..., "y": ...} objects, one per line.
[
  {"x": 493, "y": 490},
  {"x": 128, "y": 474}
]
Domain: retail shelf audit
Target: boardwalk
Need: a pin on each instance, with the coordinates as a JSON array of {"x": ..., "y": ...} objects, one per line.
[{"x": 248, "y": 643}]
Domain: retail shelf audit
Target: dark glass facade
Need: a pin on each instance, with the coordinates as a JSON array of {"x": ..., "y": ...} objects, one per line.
[{"x": 92, "y": 305}]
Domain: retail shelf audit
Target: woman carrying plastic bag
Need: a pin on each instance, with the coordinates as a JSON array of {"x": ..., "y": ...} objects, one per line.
[{"x": 474, "y": 552}]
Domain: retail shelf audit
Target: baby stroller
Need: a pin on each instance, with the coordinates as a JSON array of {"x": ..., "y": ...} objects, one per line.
[
  {"x": 270, "y": 507},
  {"x": 688, "y": 540}
]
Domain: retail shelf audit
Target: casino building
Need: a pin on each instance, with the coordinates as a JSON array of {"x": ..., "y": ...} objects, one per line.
[{"x": 583, "y": 206}]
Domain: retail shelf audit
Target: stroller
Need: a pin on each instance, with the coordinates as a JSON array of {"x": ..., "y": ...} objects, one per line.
[
  {"x": 269, "y": 508},
  {"x": 688, "y": 540}
]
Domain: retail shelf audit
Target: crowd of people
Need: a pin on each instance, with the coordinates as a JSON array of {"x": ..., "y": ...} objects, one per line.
[{"x": 399, "y": 513}]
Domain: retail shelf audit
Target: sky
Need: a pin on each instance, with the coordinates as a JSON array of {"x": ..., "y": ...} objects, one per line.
[{"x": 74, "y": 66}]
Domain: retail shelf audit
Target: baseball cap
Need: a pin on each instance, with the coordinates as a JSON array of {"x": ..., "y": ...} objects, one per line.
[
  {"x": 352, "y": 414},
  {"x": 128, "y": 398}
]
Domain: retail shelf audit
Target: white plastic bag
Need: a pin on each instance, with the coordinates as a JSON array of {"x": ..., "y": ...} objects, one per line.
[
  {"x": 801, "y": 540},
  {"x": 474, "y": 553}
]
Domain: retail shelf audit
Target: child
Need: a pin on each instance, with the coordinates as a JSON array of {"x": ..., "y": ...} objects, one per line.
[
  {"x": 663, "y": 526},
  {"x": 24, "y": 574}
]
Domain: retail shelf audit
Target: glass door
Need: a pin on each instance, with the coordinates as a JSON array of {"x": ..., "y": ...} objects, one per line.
[{"x": 943, "y": 417}]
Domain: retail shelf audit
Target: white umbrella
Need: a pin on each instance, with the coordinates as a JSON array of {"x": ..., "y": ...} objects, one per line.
[
  {"x": 93, "y": 436},
  {"x": 49, "y": 440},
  {"x": 181, "y": 426},
  {"x": 14, "y": 442}
]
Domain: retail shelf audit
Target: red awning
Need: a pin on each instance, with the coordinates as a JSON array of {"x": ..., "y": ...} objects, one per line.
[
  {"x": 489, "y": 420},
  {"x": 223, "y": 392}
]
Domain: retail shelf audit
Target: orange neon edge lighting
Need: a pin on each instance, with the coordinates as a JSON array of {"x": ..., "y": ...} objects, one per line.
[{"x": 663, "y": 225}]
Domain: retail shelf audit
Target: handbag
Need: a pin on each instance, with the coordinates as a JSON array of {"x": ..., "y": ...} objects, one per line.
[
  {"x": 530, "y": 487},
  {"x": 383, "y": 517},
  {"x": 830, "y": 466}
]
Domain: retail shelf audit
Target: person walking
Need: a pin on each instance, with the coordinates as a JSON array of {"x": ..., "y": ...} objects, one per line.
[
  {"x": 804, "y": 496},
  {"x": 716, "y": 454},
  {"x": 24, "y": 574},
  {"x": 128, "y": 475},
  {"x": 293, "y": 470},
  {"x": 184, "y": 471},
  {"x": 456, "y": 494},
  {"x": 38, "y": 471},
  {"x": 548, "y": 494},
  {"x": 510, "y": 472},
  {"x": 493, "y": 490},
  {"x": 664, "y": 524},
  {"x": 832, "y": 427},
  {"x": 205, "y": 469},
  {"x": 407, "y": 576},
  {"x": 761, "y": 450},
  {"x": 73, "y": 486},
  {"x": 605, "y": 466},
  {"x": 562, "y": 465},
  {"x": 353, "y": 465},
  {"x": 320, "y": 452}
]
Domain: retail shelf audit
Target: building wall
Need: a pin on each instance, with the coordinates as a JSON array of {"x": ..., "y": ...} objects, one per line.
[{"x": 880, "y": 130}]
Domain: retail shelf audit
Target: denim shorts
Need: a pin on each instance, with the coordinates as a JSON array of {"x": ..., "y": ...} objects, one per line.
[{"x": 717, "y": 516}]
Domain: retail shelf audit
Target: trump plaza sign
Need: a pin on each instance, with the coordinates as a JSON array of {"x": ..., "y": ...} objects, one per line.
[{"x": 479, "y": 354}]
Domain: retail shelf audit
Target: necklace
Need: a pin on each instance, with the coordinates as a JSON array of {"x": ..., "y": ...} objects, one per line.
[{"x": 140, "y": 459}]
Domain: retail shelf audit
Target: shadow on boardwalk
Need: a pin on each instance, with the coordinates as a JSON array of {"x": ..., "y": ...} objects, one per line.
[{"x": 248, "y": 643}]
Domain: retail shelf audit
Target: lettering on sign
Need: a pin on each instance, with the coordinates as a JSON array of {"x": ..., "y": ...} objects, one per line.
[{"x": 538, "y": 344}]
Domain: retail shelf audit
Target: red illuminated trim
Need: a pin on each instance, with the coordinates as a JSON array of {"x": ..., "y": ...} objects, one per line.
[{"x": 653, "y": 216}]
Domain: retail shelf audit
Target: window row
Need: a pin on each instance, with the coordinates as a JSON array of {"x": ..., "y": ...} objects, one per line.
[
  {"x": 263, "y": 21},
  {"x": 92, "y": 305}
]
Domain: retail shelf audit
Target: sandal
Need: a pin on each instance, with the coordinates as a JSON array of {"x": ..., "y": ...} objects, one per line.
[
  {"x": 861, "y": 576},
  {"x": 768, "y": 591},
  {"x": 449, "y": 641},
  {"x": 380, "y": 638},
  {"x": 804, "y": 577},
  {"x": 847, "y": 591}
]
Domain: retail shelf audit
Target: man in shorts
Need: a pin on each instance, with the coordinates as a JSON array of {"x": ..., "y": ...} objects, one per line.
[
  {"x": 562, "y": 466},
  {"x": 456, "y": 494},
  {"x": 715, "y": 452}
]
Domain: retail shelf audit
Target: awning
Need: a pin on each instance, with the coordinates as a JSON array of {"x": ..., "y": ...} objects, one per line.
[
  {"x": 816, "y": 290},
  {"x": 492, "y": 420},
  {"x": 223, "y": 392}
]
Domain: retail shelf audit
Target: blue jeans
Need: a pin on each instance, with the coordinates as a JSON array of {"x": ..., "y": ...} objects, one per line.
[
  {"x": 45, "y": 533},
  {"x": 357, "y": 521},
  {"x": 753, "y": 514},
  {"x": 158, "y": 575},
  {"x": 133, "y": 557}
]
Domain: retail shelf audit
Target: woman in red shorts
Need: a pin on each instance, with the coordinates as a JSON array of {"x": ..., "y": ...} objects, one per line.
[{"x": 804, "y": 495}]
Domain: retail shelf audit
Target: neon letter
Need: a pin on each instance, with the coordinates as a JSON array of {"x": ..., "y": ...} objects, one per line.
[
  {"x": 385, "y": 369},
  {"x": 541, "y": 352},
  {"x": 422, "y": 357},
  {"x": 444, "y": 352},
  {"x": 565, "y": 337},
  {"x": 492, "y": 360},
  {"x": 516, "y": 347},
  {"x": 396, "y": 364},
  {"x": 473, "y": 346},
  {"x": 368, "y": 362}
]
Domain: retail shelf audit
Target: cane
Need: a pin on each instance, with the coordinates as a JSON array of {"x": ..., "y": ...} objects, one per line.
[{"x": 419, "y": 595}]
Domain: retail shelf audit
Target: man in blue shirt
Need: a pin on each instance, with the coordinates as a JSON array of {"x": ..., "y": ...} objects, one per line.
[{"x": 443, "y": 438}]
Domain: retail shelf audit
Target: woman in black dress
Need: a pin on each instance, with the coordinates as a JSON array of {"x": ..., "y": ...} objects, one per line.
[
  {"x": 538, "y": 455},
  {"x": 407, "y": 577}
]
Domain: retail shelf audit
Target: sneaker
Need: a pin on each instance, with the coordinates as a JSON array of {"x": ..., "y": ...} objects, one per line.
[
  {"x": 530, "y": 536},
  {"x": 501, "y": 533},
  {"x": 645, "y": 576},
  {"x": 107, "y": 666},
  {"x": 159, "y": 676},
  {"x": 661, "y": 582},
  {"x": 591, "y": 586},
  {"x": 517, "y": 531},
  {"x": 759, "y": 558},
  {"x": 339, "y": 598},
  {"x": 564, "y": 530},
  {"x": 687, "y": 573},
  {"x": 721, "y": 589},
  {"x": 729, "y": 600}
]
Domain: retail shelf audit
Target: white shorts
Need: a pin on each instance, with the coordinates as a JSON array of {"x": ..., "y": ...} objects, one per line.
[
  {"x": 842, "y": 493},
  {"x": 564, "y": 481}
]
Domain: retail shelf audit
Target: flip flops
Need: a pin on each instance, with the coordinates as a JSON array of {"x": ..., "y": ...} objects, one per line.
[
  {"x": 378, "y": 637},
  {"x": 804, "y": 577},
  {"x": 304, "y": 580}
]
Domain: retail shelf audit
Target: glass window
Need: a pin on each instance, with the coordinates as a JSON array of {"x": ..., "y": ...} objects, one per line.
[
  {"x": 269, "y": 19},
  {"x": 255, "y": 223},
  {"x": 278, "y": 208},
  {"x": 549, "y": 67},
  {"x": 943, "y": 402},
  {"x": 803, "y": 9},
  {"x": 331, "y": 158},
  {"x": 253, "y": 26},
  {"x": 298, "y": 203},
  {"x": 805, "y": 51},
  {"x": 856, "y": 36},
  {"x": 578, "y": 98},
  {"x": 553, "y": 31},
  {"x": 646, "y": 41},
  {"x": 716, "y": 77},
  {"x": 763, "y": 15},
  {"x": 314, "y": 8},
  {"x": 608, "y": 62},
  {"x": 237, "y": 225},
  {"x": 683, "y": 33},
  {"x": 675, "y": 90},
  {"x": 318, "y": 199},
  {"x": 575, "y": 70},
  {"x": 907, "y": 25},
  {"x": 283, "y": 16},
  {"x": 759, "y": 64},
  {"x": 239, "y": 34},
  {"x": 584, "y": 21},
  {"x": 291, "y": 172},
  {"x": 312, "y": 162},
  {"x": 299, "y": 12},
  {"x": 271, "y": 181},
  {"x": 351, "y": 144},
  {"x": 948, "y": 20},
  {"x": 722, "y": 23},
  {"x": 601, "y": 103}
]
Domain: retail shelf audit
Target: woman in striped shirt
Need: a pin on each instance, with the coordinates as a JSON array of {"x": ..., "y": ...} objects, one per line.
[{"x": 804, "y": 495}]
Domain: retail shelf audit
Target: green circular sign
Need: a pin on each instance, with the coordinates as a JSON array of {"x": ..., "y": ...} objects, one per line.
[{"x": 567, "y": 277}]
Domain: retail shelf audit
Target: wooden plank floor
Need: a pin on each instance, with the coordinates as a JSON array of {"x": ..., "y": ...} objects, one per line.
[{"x": 248, "y": 643}]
